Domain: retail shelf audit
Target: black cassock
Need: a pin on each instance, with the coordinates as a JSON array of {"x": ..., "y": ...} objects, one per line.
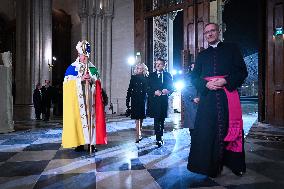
[
  {"x": 207, "y": 152},
  {"x": 136, "y": 93}
]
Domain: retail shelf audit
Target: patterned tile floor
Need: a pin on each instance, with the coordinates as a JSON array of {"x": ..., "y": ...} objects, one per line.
[{"x": 32, "y": 157}]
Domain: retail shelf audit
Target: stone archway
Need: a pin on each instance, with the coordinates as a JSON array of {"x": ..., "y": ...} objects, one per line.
[{"x": 61, "y": 45}]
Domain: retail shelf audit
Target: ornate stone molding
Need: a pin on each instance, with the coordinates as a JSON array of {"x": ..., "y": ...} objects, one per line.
[{"x": 160, "y": 37}]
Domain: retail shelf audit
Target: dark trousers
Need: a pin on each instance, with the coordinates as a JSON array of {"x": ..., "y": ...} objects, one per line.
[
  {"x": 159, "y": 128},
  {"x": 46, "y": 112},
  {"x": 37, "y": 112}
]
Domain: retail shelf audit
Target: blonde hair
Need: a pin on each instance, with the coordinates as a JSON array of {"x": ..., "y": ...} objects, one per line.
[{"x": 145, "y": 69}]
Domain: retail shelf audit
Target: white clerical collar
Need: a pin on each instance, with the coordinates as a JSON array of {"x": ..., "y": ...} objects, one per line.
[
  {"x": 159, "y": 72},
  {"x": 215, "y": 45}
]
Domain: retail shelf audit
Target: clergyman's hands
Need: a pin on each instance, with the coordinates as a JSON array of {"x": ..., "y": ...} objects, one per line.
[
  {"x": 220, "y": 82},
  {"x": 196, "y": 100},
  {"x": 216, "y": 83}
]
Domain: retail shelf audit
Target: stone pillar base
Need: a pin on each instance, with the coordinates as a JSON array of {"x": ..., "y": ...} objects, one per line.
[
  {"x": 23, "y": 112},
  {"x": 7, "y": 130},
  {"x": 6, "y": 99}
]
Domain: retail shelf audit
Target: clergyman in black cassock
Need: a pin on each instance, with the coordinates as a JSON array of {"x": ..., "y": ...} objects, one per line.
[{"x": 208, "y": 151}]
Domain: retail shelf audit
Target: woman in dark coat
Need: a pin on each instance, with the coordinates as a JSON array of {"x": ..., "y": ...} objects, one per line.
[{"x": 136, "y": 93}]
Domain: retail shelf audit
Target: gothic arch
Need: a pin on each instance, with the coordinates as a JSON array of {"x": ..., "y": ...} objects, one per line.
[{"x": 61, "y": 44}]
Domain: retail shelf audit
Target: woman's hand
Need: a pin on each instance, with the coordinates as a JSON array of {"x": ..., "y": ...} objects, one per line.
[
  {"x": 165, "y": 92},
  {"x": 158, "y": 93}
]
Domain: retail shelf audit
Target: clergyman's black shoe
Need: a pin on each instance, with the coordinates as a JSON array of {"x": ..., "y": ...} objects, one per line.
[{"x": 238, "y": 173}]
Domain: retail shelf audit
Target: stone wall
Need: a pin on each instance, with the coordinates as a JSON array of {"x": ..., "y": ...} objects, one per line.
[
  {"x": 71, "y": 7},
  {"x": 8, "y": 8},
  {"x": 122, "y": 48}
]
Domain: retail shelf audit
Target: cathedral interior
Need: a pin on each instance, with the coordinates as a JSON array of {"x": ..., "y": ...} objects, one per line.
[{"x": 37, "y": 43}]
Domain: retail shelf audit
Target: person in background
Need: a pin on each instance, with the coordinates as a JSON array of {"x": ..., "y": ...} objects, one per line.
[
  {"x": 217, "y": 138},
  {"x": 190, "y": 100},
  {"x": 105, "y": 97},
  {"x": 136, "y": 94},
  {"x": 160, "y": 86},
  {"x": 37, "y": 101},
  {"x": 56, "y": 98},
  {"x": 47, "y": 99}
]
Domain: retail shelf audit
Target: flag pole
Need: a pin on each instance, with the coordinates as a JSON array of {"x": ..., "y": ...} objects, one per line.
[{"x": 87, "y": 92}]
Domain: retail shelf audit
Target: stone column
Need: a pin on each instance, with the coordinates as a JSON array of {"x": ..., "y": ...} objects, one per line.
[
  {"x": 46, "y": 37},
  {"x": 97, "y": 12},
  {"x": 84, "y": 19},
  {"x": 6, "y": 99},
  {"x": 24, "y": 87},
  {"x": 108, "y": 59},
  {"x": 91, "y": 29},
  {"x": 34, "y": 52},
  {"x": 22, "y": 76},
  {"x": 36, "y": 41},
  {"x": 170, "y": 41},
  {"x": 108, "y": 48},
  {"x": 98, "y": 43},
  {"x": 97, "y": 26}
]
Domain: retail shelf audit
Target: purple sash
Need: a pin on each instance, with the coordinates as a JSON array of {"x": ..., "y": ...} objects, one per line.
[{"x": 235, "y": 131}]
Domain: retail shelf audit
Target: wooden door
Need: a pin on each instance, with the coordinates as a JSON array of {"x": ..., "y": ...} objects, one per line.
[
  {"x": 275, "y": 63},
  {"x": 195, "y": 18},
  {"x": 196, "y": 15}
]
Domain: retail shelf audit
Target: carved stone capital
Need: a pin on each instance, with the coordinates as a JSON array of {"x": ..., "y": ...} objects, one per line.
[
  {"x": 83, "y": 14},
  {"x": 108, "y": 15}
]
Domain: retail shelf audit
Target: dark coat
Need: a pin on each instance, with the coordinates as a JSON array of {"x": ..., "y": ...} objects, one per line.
[
  {"x": 158, "y": 105},
  {"x": 136, "y": 93},
  {"x": 189, "y": 107},
  {"x": 47, "y": 96},
  {"x": 37, "y": 100},
  {"x": 211, "y": 123}
]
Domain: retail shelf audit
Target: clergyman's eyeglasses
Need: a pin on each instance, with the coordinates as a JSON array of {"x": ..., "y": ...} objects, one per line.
[{"x": 210, "y": 31}]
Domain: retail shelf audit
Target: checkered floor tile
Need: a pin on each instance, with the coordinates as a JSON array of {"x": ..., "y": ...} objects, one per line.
[{"x": 34, "y": 158}]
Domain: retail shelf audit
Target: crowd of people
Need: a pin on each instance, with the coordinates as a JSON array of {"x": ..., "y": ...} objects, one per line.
[
  {"x": 44, "y": 97},
  {"x": 212, "y": 110}
]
